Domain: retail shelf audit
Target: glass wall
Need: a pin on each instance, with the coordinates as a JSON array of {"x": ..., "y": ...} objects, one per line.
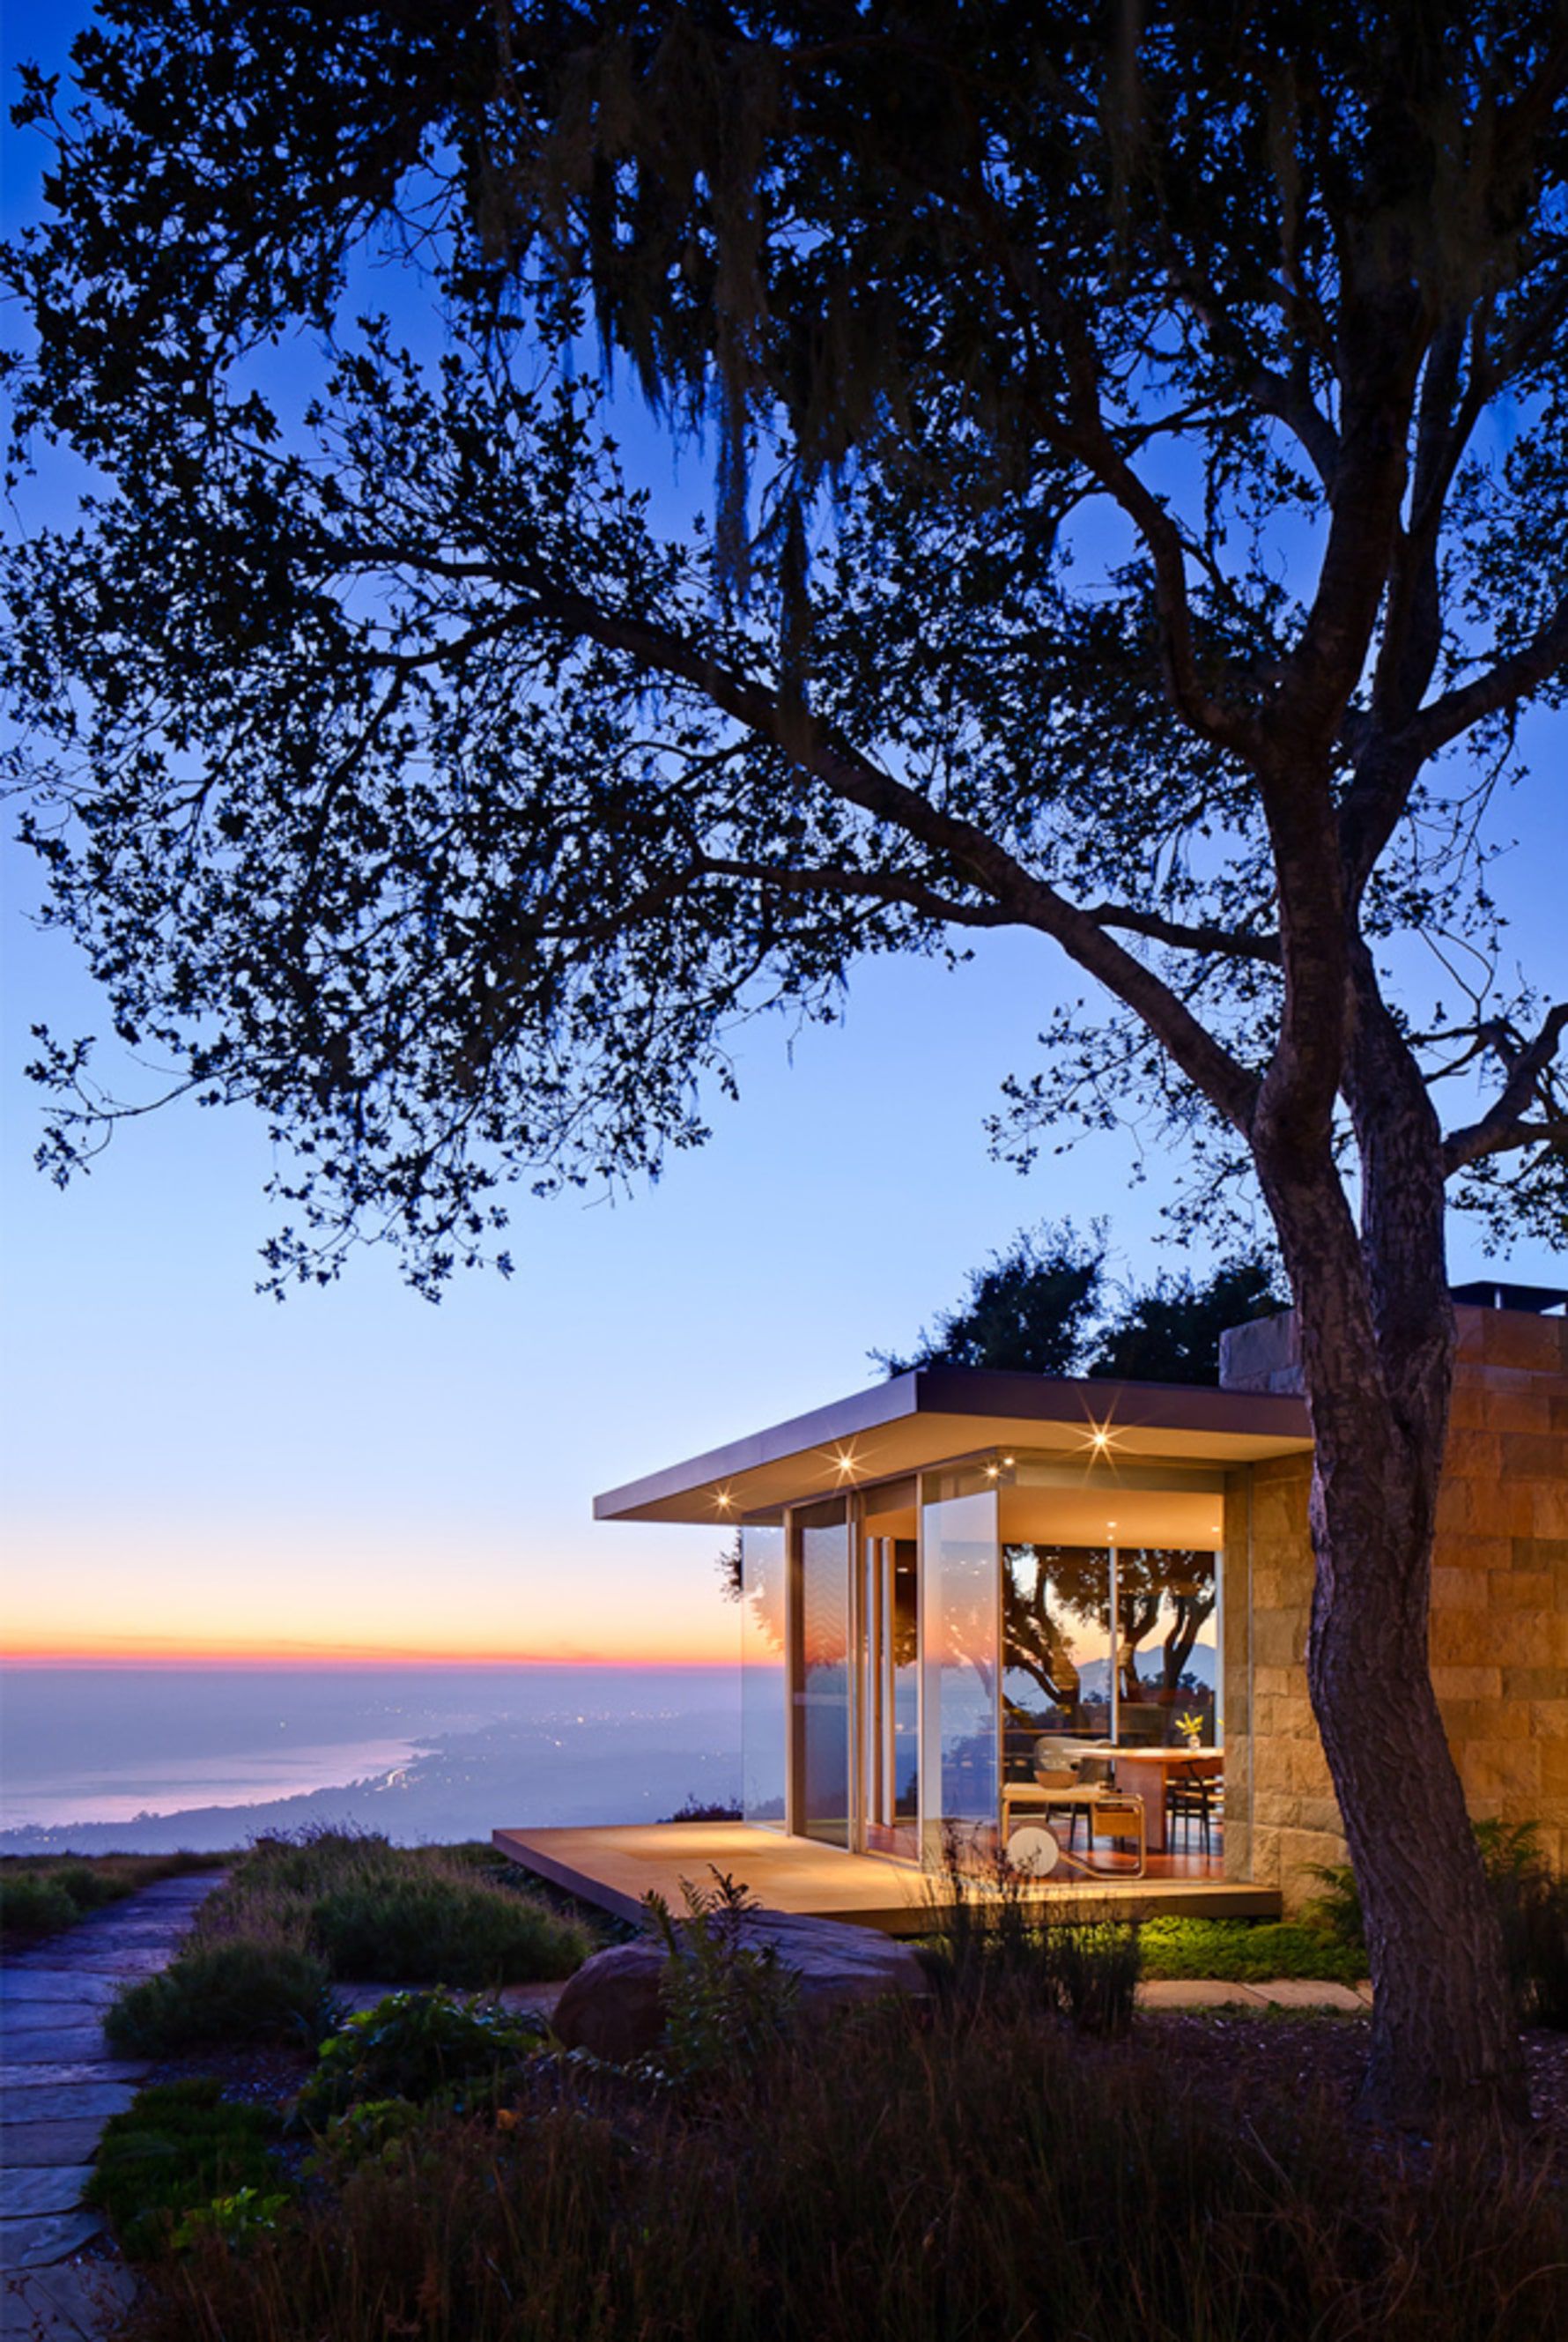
[
  {"x": 765, "y": 1711},
  {"x": 959, "y": 1615},
  {"x": 820, "y": 1625},
  {"x": 888, "y": 1706}
]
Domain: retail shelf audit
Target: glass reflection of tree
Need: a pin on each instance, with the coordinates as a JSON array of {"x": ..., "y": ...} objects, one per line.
[
  {"x": 1045, "y": 1586},
  {"x": 753, "y": 1576}
]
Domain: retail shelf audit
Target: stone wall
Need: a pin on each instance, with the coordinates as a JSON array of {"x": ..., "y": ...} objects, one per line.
[{"x": 1499, "y": 1640}]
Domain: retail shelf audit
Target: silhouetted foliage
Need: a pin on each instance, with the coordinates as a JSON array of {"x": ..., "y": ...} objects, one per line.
[{"x": 1045, "y": 1306}]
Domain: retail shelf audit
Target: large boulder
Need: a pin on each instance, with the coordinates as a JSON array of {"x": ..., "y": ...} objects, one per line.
[{"x": 612, "y": 2007}]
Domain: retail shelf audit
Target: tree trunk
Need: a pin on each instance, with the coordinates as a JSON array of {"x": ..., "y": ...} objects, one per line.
[
  {"x": 1377, "y": 1341},
  {"x": 1445, "y": 2038}
]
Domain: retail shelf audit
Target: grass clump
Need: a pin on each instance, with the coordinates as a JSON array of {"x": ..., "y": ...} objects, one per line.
[
  {"x": 914, "y": 2174},
  {"x": 42, "y": 1895},
  {"x": 245, "y": 1989},
  {"x": 403, "y": 1915},
  {"x": 405, "y": 1928},
  {"x": 182, "y": 2161}
]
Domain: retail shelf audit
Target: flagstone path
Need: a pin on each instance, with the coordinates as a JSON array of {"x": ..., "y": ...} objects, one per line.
[{"x": 59, "y": 2083}]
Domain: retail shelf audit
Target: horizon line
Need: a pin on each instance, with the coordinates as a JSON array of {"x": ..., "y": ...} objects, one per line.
[{"x": 320, "y": 1655}]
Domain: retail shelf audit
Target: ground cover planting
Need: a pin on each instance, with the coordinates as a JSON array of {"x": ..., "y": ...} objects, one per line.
[
  {"x": 300, "y": 1913},
  {"x": 180, "y": 2155},
  {"x": 41, "y": 1895}
]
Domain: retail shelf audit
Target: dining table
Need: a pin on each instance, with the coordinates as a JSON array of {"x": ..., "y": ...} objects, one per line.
[{"x": 1145, "y": 1772}]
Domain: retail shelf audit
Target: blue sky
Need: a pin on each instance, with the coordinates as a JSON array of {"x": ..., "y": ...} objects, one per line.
[{"x": 184, "y": 1458}]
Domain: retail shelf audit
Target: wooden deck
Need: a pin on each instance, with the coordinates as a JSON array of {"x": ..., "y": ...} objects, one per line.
[{"x": 614, "y": 1867}]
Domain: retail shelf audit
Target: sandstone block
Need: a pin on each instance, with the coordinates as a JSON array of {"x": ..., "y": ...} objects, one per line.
[
  {"x": 1457, "y": 1683},
  {"x": 1522, "y": 1589},
  {"x": 1463, "y": 1638},
  {"x": 1459, "y": 1589},
  {"x": 1531, "y": 1683},
  {"x": 1502, "y": 1768}
]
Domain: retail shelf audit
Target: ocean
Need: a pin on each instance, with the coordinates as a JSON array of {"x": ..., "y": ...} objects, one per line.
[{"x": 147, "y": 1759}]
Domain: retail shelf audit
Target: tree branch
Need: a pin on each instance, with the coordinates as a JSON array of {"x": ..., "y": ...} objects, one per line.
[
  {"x": 1502, "y": 1127},
  {"x": 1515, "y": 675}
]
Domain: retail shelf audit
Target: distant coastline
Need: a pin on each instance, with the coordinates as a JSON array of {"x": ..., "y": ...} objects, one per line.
[{"x": 98, "y": 1758}]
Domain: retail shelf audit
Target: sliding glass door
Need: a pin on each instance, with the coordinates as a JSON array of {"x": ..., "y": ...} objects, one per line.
[{"x": 820, "y": 1673}]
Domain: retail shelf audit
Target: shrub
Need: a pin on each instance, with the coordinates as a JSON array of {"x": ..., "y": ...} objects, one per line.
[
  {"x": 413, "y": 2045},
  {"x": 171, "y": 2153},
  {"x": 241, "y": 1989},
  {"x": 403, "y": 1928},
  {"x": 726, "y": 2002},
  {"x": 1532, "y": 1907},
  {"x": 403, "y": 1915}
]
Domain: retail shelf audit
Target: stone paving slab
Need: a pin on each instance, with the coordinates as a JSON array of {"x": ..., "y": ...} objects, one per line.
[
  {"x": 67, "y": 2303},
  {"x": 18, "y": 1983},
  {"x": 65, "y": 2139},
  {"x": 1196, "y": 1992},
  {"x": 33, "y": 2244},
  {"x": 57, "y": 2188},
  {"x": 23, "y": 2110},
  {"x": 142, "y": 1959},
  {"x": 19, "y": 2017},
  {"x": 100, "y": 1930},
  {"x": 194, "y": 1888},
  {"x": 42, "y": 2076},
  {"x": 74, "y": 2044},
  {"x": 1297, "y": 1992}
]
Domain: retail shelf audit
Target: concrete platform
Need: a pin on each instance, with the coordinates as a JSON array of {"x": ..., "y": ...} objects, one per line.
[{"x": 614, "y": 1867}]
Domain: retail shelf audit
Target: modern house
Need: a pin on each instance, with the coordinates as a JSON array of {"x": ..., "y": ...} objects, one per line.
[{"x": 984, "y": 1608}]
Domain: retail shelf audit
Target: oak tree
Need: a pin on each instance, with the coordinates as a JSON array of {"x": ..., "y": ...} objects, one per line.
[{"x": 1141, "y": 495}]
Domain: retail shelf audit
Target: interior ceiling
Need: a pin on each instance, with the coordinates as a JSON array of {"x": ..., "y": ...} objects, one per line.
[{"x": 1182, "y": 1518}]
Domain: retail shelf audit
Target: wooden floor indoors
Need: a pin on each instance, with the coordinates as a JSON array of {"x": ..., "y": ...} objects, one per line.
[{"x": 614, "y": 1868}]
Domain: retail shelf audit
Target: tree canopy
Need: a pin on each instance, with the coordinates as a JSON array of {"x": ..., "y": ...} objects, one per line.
[
  {"x": 1113, "y": 416},
  {"x": 1045, "y": 1306}
]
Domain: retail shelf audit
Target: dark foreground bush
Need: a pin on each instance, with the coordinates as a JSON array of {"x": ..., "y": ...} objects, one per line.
[
  {"x": 245, "y": 1989},
  {"x": 177, "y": 2154},
  {"x": 409, "y": 1929},
  {"x": 905, "y": 2177},
  {"x": 1532, "y": 1905}
]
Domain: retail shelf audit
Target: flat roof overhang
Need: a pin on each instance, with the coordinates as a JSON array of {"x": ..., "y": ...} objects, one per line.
[{"x": 938, "y": 1414}]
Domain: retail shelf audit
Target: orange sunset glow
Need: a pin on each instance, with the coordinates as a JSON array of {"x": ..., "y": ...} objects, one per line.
[{"x": 286, "y": 1600}]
